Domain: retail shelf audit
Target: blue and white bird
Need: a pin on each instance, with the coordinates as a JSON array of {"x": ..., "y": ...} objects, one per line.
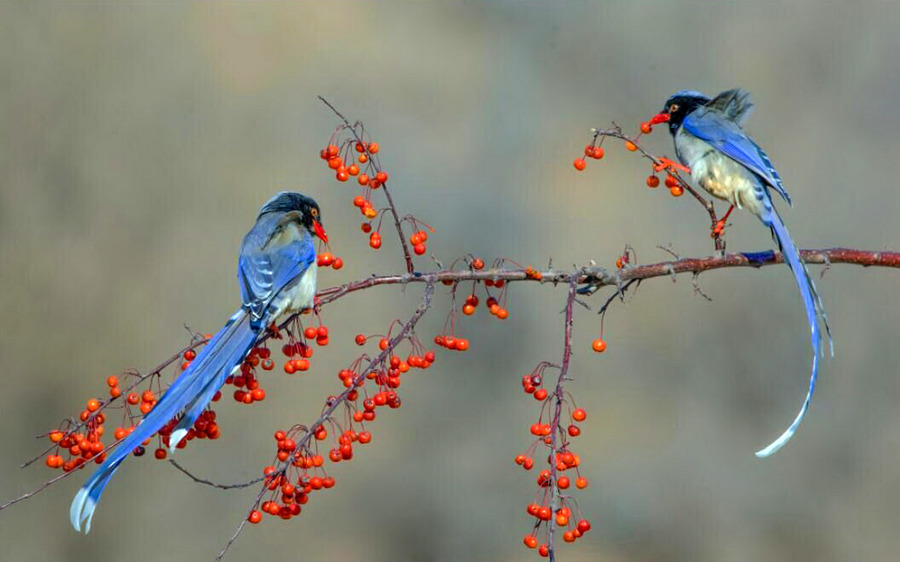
[
  {"x": 277, "y": 276},
  {"x": 710, "y": 140}
]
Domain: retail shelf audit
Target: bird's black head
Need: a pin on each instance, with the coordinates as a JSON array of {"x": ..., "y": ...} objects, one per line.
[
  {"x": 305, "y": 208},
  {"x": 680, "y": 105}
]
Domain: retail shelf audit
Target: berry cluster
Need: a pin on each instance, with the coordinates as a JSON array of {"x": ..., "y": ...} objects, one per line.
[
  {"x": 552, "y": 506},
  {"x": 594, "y": 150},
  {"x": 302, "y": 466},
  {"x": 302, "y": 474},
  {"x": 327, "y": 259},
  {"x": 350, "y": 155}
]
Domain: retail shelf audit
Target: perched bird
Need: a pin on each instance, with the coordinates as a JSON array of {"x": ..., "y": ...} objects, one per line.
[
  {"x": 710, "y": 140},
  {"x": 277, "y": 276}
]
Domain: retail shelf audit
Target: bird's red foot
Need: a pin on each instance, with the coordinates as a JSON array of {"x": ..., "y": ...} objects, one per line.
[
  {"x": 665, "y": 163},
  {"x": 718, "y": 229}
]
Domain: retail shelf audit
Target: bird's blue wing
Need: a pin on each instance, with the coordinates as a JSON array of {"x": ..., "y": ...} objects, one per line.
[
  {"x": 264, "y": 269},
  {"x": 727, "y": 136}
]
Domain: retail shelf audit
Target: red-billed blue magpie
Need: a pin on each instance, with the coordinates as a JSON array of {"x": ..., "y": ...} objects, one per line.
[
  {"x": 277, "y": 276},
  {"x": 710, "y": 140}
]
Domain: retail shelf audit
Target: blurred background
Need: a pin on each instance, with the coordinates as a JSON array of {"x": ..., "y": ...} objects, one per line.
[{"x": 137, "y": 143}]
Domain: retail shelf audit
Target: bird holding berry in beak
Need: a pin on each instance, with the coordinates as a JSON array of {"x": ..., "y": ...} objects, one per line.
[{"x": 722, "y": 159}]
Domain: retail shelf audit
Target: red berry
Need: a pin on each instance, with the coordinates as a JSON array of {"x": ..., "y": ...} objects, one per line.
[{"x": 580, "y": 164}]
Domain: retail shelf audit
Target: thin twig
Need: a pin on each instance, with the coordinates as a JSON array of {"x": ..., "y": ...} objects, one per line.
[
  {"x": 559, "y": 395},
  {"x": 384, "y": 187},
  {"x": 215, "y": 484},
  {"x": 339, "y": 400}
]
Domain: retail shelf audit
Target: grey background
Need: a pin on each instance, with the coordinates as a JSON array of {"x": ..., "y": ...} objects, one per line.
[{"x": 137, "y": 142}]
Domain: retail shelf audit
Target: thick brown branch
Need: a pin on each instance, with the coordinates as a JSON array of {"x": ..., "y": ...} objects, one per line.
[{"x": 601, "y": 276}]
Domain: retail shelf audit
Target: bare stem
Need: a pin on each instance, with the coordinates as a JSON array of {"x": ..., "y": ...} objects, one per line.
[{"x": 558, "y": 399}]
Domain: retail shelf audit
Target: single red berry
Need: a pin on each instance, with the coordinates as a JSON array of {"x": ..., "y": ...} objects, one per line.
[{"x": 580, "y": 164}]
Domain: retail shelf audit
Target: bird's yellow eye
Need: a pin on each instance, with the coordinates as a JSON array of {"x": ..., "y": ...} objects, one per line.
[
  {"x": 314, "y": 213},
  {"x": 673, "y": 108}
]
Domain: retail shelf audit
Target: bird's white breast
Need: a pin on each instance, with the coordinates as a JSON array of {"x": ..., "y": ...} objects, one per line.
[
  {"x": 299, "y": 294},
  {"x": 718, "y": 174}
]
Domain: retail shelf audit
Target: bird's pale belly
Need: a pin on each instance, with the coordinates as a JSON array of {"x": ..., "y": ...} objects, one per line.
[
  {"x": 721, "y": 176},
  {"x": 299, "y": 295}
]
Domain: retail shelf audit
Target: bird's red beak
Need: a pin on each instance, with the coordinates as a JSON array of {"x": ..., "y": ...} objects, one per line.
[
  {"x": 659, "y": 118},
  {"x": 320, "y": 232}
]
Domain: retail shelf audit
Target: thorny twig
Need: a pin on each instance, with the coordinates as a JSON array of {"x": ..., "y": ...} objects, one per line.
[
  {"x": 559, "y": 394},
  {"x": 340, "y": 399}
]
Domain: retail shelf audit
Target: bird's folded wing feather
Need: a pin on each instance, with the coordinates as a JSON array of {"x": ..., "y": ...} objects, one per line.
[{"x": 727, "y": 136}]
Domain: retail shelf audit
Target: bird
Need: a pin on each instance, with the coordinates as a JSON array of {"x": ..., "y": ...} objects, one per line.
[
  {"x": 710, "y": 141},
  {"x": 277, "y": 276}
]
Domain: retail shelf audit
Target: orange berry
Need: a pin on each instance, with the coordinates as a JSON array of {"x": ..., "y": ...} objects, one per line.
[
  {"x": 671, "y": 181},
  {"x": 160, "y": 453},
  {"x": 677, "y": 191},
  {"x": 363, "y": 158},
  {"x": 115, "y": 392},
  {"x": 581, "y": 483},
  {"x": 597, "y": 153},
  {"x": 580, "y": 164},
  {"x": 254, "y": 517},
  {"x": 579, "y": 415},
  {"x": 530, "y": 541},
  {"x": 373, "y": 147},
  {"x": 646, "y": 128},
  {"x": 93, "y": 405},
  {"x": 363, "y": 179},
  {"x": 112, "y": 380},
  {"x": 652, "y": 181},
  {"x": 598, "y": 345},
  {"x": 468, "y": 310},
  {"x": 630, "y": 146},
  {"x": 381, "y": 177}
]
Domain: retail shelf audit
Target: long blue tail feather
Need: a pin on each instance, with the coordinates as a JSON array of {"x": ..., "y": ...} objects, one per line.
[
  {"x": 814, "y": 312},
  {"x": 193, "y": 390}
]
